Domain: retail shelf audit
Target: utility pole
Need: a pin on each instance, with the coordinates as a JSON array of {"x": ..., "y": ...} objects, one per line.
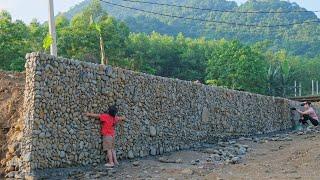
[
  {"x": 52, "y": 30},
  {"x": 312, "y": 88},
  {"x": 295, "y": 88},
  {"x": 300, "y": 89}
]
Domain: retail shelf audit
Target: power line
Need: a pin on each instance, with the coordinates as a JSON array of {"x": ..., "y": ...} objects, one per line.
[
  {"x": 212, "y": 21},
  {"x": 219, "y": 10}
]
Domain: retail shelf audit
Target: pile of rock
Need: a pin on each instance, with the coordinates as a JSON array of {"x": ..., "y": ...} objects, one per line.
[
  {"x": 226, "y": 152},
  {"x": 265, "y": 139}
]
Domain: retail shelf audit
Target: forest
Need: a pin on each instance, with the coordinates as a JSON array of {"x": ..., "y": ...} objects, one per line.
[{"x": 300, "y": 39}]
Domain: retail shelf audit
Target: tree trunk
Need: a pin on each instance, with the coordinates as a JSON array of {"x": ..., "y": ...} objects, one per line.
[{"x": 104, "y": 59}]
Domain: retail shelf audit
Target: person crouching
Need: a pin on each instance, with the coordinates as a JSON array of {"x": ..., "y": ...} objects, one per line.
[{"x": 308, "y": 114}]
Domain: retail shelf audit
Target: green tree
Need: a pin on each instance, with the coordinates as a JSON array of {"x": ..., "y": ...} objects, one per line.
[
  {"x": 37, "y": 34},
  {"x": 90, "y": 31},
  {"x": 13, "y": 43},
  {"x": 238, "y": 67}
]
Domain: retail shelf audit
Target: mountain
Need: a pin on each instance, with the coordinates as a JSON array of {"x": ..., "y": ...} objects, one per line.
[{"x": 301, "y": 40}]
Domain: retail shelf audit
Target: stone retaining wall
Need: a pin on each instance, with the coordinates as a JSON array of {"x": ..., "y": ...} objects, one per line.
[{"x": 163, "y": 114}]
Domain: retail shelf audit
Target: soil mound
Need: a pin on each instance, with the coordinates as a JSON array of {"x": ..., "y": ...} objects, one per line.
[{"x": 12, "y": 86}]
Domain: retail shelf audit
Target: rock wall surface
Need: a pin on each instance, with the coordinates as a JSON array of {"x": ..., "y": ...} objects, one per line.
[{"x": 163, "y": 115}]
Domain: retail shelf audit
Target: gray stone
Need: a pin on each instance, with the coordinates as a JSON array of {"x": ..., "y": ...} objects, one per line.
[
  {"x": 205, "y": 114},
  {"x": 216, "y": 157},
  {"x": 11, "y": 174},
  {"x": 245, "y": 146},
  {"x": 130, "y": 155},
  {"x": 235, "y": 160},
  {"x": 36, "y": 132},
  {"x": 216, "y": 151},
  {"x": 136, "y": 163},
  {"x": 178, "y": 161},
  {"x": 109, "y": 71},
  {"x": 161, "y": 150},
  {"x": 141, "y": 154},
  {"x": 153, "y": 151},
  {"x": 193, "y": 162},
  {"x": 256, "y": 140},
  {"x": 42, "y": 135},
  {"x": 153, "y": 131},
  {"x": 27, "y": 157},
  {"x": 242, "y": 151},
  {"x": 62, "y": 154}
]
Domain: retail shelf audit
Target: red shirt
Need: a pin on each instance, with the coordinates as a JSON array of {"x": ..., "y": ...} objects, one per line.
[{"x": 108, "y": 124}]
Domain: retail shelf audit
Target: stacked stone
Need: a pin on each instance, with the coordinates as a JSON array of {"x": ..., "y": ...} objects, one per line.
[{"x": 163, "y": 115}]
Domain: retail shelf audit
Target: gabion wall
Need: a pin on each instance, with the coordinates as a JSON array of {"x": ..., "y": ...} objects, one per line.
[{"x": 163, "y": 114}]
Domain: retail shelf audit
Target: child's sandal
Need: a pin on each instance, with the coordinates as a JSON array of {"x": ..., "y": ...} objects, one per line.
[{"x": 109, "y": 165}]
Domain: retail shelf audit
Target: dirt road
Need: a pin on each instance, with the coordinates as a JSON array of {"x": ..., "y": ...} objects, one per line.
[
  {"x": 296, "y": 159},
  {"x": 282, "y": 156}
]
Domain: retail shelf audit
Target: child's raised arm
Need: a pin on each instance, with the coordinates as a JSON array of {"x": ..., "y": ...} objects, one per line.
[{"x": 97, "y": 116}]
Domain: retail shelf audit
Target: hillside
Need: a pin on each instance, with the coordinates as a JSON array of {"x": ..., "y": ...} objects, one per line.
[{"x": 297, "y": 39}]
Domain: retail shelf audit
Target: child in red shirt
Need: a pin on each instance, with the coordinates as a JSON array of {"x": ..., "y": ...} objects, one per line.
[{"x": 109, "y": 120}]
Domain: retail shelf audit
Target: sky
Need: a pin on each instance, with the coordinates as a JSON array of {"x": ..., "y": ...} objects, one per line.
[{"x": 27, "y": 10}]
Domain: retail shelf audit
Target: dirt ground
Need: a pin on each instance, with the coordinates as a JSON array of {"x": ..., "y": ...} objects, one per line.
[
  {"x": 11, "y": 102},
  {"x": 296, "y": 156},
  {"x": 296, "y": 159}
]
